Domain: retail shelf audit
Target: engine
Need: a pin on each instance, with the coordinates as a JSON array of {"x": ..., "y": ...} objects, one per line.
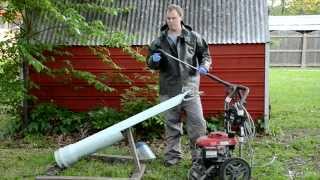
[{"x": 216, "y": 159}]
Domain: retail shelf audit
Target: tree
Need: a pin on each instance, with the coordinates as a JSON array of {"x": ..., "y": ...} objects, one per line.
[
  {"x": 278, "y": 7},
  {"x": 294, "y": 7},
  {"x": 23, "y": 49},
  {"x": 283, "y": 6},
  {"x": 304, "y": 7}
]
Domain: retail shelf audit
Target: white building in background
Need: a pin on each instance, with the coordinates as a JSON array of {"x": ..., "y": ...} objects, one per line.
[
  {"x": 6, "y": 30},
  {"x": 295, "y": 23}
]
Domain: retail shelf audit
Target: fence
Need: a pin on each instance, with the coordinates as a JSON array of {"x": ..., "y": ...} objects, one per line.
[{"x": 291, "y": 48}]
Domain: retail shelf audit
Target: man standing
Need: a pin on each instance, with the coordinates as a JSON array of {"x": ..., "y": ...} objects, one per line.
[{"x": 178, "y": 40}]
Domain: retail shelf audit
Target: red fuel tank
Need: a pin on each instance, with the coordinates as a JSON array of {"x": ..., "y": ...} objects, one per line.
[{"x": 215, "y": 139}]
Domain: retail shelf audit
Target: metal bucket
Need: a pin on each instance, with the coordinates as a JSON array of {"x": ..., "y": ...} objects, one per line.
[{"x": 144, "y": 151}]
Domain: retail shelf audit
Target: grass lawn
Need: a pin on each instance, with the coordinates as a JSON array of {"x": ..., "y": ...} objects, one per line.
[
  {"x": 293, "y": 143},
  {"x": 295, "y": 98}
]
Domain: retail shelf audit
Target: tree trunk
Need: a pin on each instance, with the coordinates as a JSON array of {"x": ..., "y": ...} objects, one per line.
[
  {"x": 283, "y": 6},
  {"x": 25, "y": 106}
]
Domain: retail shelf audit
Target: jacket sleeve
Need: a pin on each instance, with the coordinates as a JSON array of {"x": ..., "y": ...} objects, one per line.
[
  {"x": 155, "y": 45},
  {"x": 202, "y": 52}
]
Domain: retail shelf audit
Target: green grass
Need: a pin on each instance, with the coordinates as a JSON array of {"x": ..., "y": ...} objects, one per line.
[
  {"x": 21, "y": 163},
  {"x": 294, "y": 141},
  {"x": 295, "y": 98},
  {"x": 294, "y": 124}
]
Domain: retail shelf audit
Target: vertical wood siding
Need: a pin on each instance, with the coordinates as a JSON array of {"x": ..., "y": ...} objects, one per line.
[{"x": 242, "y": 64}]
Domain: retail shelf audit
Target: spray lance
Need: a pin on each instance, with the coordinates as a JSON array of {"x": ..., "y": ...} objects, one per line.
[{"x": 233, "y": 88}]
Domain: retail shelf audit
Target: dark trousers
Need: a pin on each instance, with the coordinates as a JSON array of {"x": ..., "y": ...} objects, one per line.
[{"x": 195, "y": 126}]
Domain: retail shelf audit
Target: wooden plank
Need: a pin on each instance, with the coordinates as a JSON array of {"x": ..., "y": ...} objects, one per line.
[
  {"x": 114, "y": 158},
  {"x": 293, "y": 36},
  {"x": 285, "y": 36},
  {"x": 285, "y": 65},
  {"x": 138, "y": 174},
  {"x": 133, "y": 150},
  {"x": 293, "y": 50},
  {"x": 79, "y": 178},
  {"x": 111, "y": 158},
  {"x": 285, "y": 50}
]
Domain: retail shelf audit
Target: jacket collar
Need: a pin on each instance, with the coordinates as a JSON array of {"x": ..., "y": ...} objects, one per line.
[{"x": 185, "y": 29}]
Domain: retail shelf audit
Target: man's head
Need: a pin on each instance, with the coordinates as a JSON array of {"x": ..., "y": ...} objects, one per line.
[{"x": 174, "y": 16}]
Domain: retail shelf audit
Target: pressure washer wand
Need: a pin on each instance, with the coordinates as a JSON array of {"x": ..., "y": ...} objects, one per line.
[
  {"x": 192, "y": 67},
  {"x": 233, "y": 87}
]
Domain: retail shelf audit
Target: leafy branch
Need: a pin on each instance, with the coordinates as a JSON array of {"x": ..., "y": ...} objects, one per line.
[{"x": 63, "y": 19}]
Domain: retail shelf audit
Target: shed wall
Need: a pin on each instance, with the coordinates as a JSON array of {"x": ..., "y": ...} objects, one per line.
[{"x": 242, "y": 64}]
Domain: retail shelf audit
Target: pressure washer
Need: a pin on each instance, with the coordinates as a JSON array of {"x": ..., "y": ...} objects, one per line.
[{"x": 216, "y": 150}]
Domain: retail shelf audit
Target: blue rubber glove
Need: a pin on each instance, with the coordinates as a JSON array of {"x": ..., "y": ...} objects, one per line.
[
  {"x": 202, "y": 70},
  {"x": 156, "y": 57}
]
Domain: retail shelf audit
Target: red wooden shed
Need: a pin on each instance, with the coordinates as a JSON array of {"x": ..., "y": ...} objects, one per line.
[{"x": 237, "y": 33}]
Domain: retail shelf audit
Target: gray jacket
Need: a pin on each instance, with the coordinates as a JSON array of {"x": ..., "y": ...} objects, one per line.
[{"x": 175, "y": 76}]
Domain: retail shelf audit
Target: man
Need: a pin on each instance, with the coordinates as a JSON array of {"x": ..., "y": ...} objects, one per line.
[{"x": 178, "y": 40}]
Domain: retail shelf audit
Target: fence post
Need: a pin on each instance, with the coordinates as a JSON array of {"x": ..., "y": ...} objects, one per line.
[{"x": 304, "y": 48}]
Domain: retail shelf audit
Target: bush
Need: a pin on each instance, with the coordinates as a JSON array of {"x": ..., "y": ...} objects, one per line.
[
  {"x": 48, "y": 118},
  {"x": 215, "y": 124},
  {"x": 11, "y": 85},
  {"x": 132, "y": 102},
  {"x": 9, "y": 125},
  {"x": 151, "y": 128},
  {"x": 104, "y": 117}
]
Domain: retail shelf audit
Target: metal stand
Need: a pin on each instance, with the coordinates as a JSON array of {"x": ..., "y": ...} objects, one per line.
[{"x": 136, "y": 175}]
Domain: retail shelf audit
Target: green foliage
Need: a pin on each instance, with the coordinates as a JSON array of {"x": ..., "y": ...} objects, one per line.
[
  {"x": 277, "y": 11},
  {"x": 307, "y": 7},
  {"x": 135, "y": 53},
  {"x": 50, "y": 119},
  {"x": 22, "y": 49},
  {"x": 296, "y": 7},
  {"x": 151, "y": 128},
  {"x": 11, "y": 88},
  {"x": 9, "y": 125},
  {"x": 214, "y": 123},
  {"x": 91, "y": 80},
  {"x": 132, "y": 102},
  {"x": 104, "y": 117}
]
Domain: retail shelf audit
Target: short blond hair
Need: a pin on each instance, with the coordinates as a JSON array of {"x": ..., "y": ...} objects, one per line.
[{"x": 174, "y": 7}]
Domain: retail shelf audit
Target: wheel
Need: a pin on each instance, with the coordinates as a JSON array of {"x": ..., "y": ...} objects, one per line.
[
  {"x": 234, "y": 169},
  {"x": 196, "y": 172}
]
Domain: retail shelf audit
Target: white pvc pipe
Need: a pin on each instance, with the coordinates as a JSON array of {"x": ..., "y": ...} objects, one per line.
[{"x": 71, "y": 153}]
